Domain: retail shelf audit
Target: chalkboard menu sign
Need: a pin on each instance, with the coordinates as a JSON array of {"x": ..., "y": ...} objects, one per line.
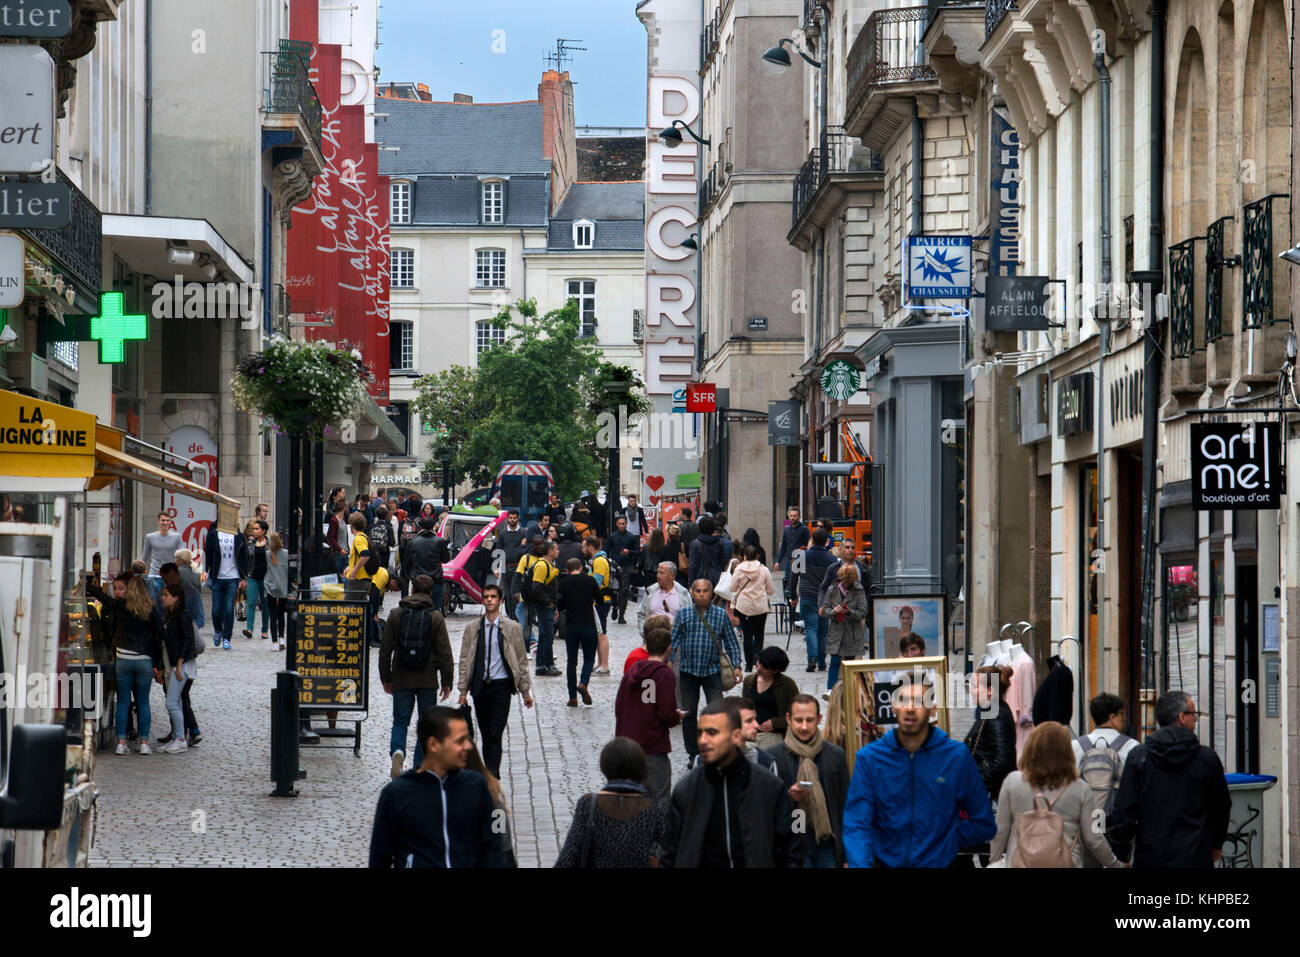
[{"x": 329, "y": 652}]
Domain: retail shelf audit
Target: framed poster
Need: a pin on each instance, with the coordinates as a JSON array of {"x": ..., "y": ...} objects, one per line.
[
  {"x": 870, "y": 684},
  {"x": 899, "y": 615}
]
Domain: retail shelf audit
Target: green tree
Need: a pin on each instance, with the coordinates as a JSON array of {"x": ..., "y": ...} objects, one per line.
[{"x": 534, "y": 396}]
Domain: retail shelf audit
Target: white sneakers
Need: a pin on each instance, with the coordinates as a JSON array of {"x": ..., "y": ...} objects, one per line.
[
  {"x": 145, "y": 749},
  {"x": 123, "y": 748},
  {"x": 399, "y": 758},
  {"x": 174, "y": 746}
]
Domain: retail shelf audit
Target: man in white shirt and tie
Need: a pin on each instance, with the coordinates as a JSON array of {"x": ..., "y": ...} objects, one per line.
[
  {"x": 492, "y": 670},
  {"x": 667, "y": 598}
]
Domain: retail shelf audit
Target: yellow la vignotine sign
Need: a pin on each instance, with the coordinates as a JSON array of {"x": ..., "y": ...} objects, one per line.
[{"x": 40, "y": 438}]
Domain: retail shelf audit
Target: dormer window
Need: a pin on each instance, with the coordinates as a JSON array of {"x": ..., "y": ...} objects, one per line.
[
  {"x": 400, "y": 203},
  {"x": 584, "y": 234},
  {"x": 494, "y": 201}
]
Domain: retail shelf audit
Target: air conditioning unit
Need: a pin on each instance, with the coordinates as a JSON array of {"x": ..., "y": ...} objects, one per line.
[{"x": 29, "y": 372}]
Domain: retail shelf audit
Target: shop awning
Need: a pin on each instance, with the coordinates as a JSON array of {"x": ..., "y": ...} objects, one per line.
[
  {"x": 833, "y": 468},
  {"x": 376, "y": 433},
  {"x": 111, "y": 464}
]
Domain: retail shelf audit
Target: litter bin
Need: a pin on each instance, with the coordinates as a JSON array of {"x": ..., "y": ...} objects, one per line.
[{"x": 1244, "y": 845}]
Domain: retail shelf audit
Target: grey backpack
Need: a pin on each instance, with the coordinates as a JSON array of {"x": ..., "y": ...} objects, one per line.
[{"x": 1100, "y": 769}]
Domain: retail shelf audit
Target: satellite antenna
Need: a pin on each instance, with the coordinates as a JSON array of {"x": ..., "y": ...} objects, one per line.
[{"x": 562, "y": 50}]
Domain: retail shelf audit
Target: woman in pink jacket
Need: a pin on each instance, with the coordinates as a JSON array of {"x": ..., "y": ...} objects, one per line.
[{"x": 751, "y": 582}]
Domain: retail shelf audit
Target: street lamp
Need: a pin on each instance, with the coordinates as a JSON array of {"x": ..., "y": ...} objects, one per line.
[
  {"x": 1292, "y": 256},
  {"x": 445, "y": 458},
  {"x": 691, "y": 242},
  {"x": 777, "y": 60},
  {"x": 671, "y": 136},
  {"x": 617, "y": 391}
]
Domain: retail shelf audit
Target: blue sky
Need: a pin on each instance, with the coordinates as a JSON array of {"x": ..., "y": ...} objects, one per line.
[{"x": 449, "y": 46}]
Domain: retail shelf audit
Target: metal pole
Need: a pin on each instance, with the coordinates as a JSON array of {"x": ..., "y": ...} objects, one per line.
[{"x": 1103, "y": 325}]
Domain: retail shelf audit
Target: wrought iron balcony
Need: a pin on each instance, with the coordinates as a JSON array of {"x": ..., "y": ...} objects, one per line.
[
  {"x": 1214, "y": 264},
  {"x": 833, "y": 155},
  {"x": 289, "y": 88},
  {"x": 711, "y": 186},
  {"x": 1182, "y": 297},
  {"x": 994, "y": 11},
  {"x": 77, "y": 247},
  {"x": 709, "y": 39},
  {"x": 937, "y": 5},
  {"x": 812, "y": 15},
  {"x": 1257, "y": 255},
  {"x": 889, "y": 50}
]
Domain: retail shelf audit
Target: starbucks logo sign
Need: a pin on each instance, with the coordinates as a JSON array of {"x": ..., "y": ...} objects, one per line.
[{"x": 840, "y": 379}]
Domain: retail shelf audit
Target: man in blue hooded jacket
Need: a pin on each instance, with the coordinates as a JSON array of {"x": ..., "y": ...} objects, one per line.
[{"x": 909, "y": 790}]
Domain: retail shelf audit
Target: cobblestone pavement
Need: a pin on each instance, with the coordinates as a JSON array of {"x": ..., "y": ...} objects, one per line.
[{"x": 211, "y": 806}]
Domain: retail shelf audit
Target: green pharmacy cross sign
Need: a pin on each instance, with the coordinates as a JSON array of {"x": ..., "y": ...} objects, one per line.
[
  {"x": 111, "y": 328},
  {"x": 840, "y": 380}
]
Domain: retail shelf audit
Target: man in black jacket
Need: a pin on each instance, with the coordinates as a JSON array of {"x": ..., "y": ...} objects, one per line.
[
  {"x": 225, "y": 559},
  {"x": 625, "y": 549},
  {"x": 416, "y": 627},
  {"x": 727, "y": 812},
  {"x": 555, "y": 510},
  {"x": 441, "y": 815},
  {"x": 689, "y": 529},
  {"x": 513, "y": 540},
  {"x": 425, "y": 555},
  {"x": 823, "y": 837},
  {"x": 1173, "y": 797}
]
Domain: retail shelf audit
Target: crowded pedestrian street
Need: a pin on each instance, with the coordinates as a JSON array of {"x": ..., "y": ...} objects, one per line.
[
  {"x": 649, "y": 435},
  {"x": 217, "y": 795}
]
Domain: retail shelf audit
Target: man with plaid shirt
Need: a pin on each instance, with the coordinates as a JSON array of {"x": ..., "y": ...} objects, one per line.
[{"x": 698, "y": 631}]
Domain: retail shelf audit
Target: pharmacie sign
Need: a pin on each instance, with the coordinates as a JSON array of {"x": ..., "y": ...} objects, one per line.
[{"x": 1236, "y": 465}]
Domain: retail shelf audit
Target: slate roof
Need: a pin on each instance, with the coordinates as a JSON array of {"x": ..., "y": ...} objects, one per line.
[
  {"x": 445, "y": 147},
  {"x": 617, "y": 209},
  {"x": 479, "y": 138}
]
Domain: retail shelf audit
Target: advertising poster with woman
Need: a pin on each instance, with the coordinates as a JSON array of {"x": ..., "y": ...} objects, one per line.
[{"x": 898, "y": 617}]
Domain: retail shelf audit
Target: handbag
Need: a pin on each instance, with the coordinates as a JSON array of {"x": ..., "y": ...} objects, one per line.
[
  {"x": 723, "y": 588},
  {"x": 728, "y": 672},
  {"x": 241, "y": 609}
]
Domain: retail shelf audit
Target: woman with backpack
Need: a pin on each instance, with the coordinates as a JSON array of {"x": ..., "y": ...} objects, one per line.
[
  {"x": 1045, "y": 810},
  {"x": 180, "y": 641}
]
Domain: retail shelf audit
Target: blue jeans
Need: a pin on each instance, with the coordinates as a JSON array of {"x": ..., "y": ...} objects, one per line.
[
  {"x": 822, "y": 856},
  {"x": 223, "y": 606},
  {"x": 814, "y": 631},
  {"x": 526, "y": 615},
  {"x": 404, "y": 700},
  {"x": 833, "y": 672},
  {"x": 436, "y": 595},
  {"x": 256, "y": 595},
  {"x": 134, "y": 676},
  {"x": 545, "y": 636},
  {"x": 580, "y": 637},
  {"x": 155, "y": 584},
  {"x": 340, "y": 564}
]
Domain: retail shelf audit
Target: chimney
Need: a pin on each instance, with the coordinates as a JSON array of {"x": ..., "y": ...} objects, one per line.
[
  {"x": 422, "y": 92},
  {"x": 555, "y": 94},
  {"x": 461, "y": 98}
]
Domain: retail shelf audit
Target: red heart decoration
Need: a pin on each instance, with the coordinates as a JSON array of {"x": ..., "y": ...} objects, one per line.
[
  {"x": 656, "y": 482},
  {"x": 654, "y": 499}
]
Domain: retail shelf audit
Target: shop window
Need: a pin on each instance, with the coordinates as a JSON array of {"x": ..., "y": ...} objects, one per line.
[{"x": 1182, "y": 631}]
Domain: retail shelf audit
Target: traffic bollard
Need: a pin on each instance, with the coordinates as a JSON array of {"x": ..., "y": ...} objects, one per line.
[{"x": 284, "y": 734}]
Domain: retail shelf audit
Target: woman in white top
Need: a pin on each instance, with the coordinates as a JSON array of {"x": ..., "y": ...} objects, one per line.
[
  {"x": 751, "y": 583},
  {"x": 1048, "y": 778}
]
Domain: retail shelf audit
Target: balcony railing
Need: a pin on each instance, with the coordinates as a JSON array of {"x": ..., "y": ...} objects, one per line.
[
  {"x": 889, "y": 50},
  {"x": 1214, "y": 263},
  {"x": 937, "y": 5},
  {"x": 811, "y": 14},
  {"x": 289, "y": 88},
  {"x": 994, "y": 11},
  {"x": 833, "y": 155},
  {"x": 709, "y": 39},
  {"x": 1182, "y": 298},
  {"x": 711, "y": 186},
  {"x": 1257, "y": 255},
  {"x": 77, "y": 246}
]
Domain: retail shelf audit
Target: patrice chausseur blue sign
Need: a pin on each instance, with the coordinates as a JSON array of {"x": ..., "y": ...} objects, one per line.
[{"x": 939, "y": 267}]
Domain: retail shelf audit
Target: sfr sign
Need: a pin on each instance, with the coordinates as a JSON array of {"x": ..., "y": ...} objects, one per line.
[{"x": 701, "y": 397}]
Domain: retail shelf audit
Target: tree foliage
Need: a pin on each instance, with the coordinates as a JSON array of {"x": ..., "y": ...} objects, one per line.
[{"x": 534, "y": 396}]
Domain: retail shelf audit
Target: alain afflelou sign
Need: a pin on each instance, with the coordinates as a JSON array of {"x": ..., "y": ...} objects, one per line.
[{"x": 1236, "y": 465}]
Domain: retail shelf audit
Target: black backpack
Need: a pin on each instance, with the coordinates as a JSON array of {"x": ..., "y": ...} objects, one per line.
[
  {"x": 378, "y": 535},
  {"x": 413, "y": 634},
  {"x": 542, "y": 594}
]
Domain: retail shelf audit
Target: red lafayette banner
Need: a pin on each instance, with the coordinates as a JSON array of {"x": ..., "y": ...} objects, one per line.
[{"x": 338, "y": 245}]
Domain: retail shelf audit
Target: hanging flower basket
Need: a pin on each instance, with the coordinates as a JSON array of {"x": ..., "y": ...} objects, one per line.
[{"x": 302, "y": 389}]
